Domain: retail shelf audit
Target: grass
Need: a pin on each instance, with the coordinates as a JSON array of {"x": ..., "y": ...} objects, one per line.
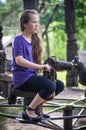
[
  {"x": 2, "y": 110},
  {"x": 61, "y": 75},
  {"x": 9, "y": 110}
]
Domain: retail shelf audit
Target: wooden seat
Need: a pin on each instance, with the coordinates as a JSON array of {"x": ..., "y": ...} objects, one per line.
[
  {"x": 28, "y": 97},
  {"x": 20, "y": 93}
]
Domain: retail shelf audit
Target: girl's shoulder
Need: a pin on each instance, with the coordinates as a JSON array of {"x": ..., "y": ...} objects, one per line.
[
  {"x": 19, "y": 36},
  {"x": 18, "y": 40}
]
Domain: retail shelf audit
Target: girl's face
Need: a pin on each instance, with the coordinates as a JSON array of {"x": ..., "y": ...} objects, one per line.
[{"x": 33, "y": 25}]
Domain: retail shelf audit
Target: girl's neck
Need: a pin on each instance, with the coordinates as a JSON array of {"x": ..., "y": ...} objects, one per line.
[{"x": 27, "y": 36}]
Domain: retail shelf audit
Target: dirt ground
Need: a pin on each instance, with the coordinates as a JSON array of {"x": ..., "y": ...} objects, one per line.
[
  {"x": 14, "y": 125},
  {"x": 11, "y": 124}
]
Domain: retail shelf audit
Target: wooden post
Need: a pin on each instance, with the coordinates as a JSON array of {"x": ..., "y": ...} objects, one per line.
[
  {"x": 68, "y": 122},
  {"x": 2, "y": 53},
  {"x": 30, "y": 4},
  {"x": 2, "y": 61},
  {"x": 1, "y": 35},
  {"x": 5, "y": 83},
  {"x": 72, "y": 77}
]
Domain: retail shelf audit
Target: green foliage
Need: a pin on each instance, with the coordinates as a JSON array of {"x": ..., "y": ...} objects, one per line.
[
  {"x": 57, "y": 40},
  {"x": 9, "y": 16},
  {"x": 81, "y": 36},
  {"x": 81, "y": 13},
  {"x": 56, "y": 30},
  {"x": 81, "y": 23},
  {"x": 11, "y": 11}
]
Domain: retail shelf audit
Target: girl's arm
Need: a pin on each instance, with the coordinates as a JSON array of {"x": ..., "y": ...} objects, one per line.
[{"x": 27, "y": 64}]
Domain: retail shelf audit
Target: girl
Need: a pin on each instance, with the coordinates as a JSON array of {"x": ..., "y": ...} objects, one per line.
[{"x": 27, "y": 61}]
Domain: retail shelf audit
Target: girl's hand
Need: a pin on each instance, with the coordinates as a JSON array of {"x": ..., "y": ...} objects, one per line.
[{"x": 46, "y": 67}]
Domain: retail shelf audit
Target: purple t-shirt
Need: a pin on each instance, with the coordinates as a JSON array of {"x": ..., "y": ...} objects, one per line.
[{"x": 21, "y": 47}]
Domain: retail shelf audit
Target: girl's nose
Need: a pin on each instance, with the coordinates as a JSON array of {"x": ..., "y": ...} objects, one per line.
[{"x": 37, "y": 24}]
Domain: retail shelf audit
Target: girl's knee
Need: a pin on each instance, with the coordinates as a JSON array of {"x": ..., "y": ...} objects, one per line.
[{"x": 59, "y": 87}]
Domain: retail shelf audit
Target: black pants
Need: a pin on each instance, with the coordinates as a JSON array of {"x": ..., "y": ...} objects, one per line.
[{"x": 42, "y": 85}]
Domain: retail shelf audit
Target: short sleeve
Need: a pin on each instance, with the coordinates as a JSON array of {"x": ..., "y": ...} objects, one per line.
[{"x": 18, "y": 47}]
